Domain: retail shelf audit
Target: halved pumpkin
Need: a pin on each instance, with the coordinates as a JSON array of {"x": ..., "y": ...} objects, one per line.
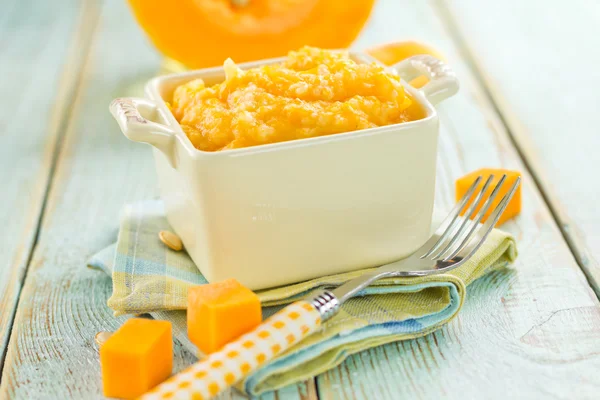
[{"x": 203, "y": 33}]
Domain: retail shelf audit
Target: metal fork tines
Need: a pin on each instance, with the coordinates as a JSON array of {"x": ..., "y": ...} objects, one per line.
[
  {"x": 455, "y": 241},
  {"x": 461, "y": 237}
]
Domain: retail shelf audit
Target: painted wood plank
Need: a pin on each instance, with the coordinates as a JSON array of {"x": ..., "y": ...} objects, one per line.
[
  {"x": 532, "y": 331},
  {"x": 38, "y": 78},
  {"x": 63, "y": 304},
  {"x": 540, "y": 62}
]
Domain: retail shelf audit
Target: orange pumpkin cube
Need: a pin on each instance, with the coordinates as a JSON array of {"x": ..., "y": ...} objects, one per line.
[
  {"x": 514, "y": 206},
  {"x": 220, "y": 312},
  {"x": 136, "y": 358}
]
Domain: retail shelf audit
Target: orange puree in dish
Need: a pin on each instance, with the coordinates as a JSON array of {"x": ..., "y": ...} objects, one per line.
[{"x": 313, "y": 93}]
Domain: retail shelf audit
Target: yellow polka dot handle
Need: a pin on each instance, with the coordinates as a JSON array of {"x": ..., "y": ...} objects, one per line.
[{"x": 215, "y": 373}]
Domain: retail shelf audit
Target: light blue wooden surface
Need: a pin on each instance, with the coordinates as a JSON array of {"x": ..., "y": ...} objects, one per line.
[
  {"x": 539, "y": 60},
  {"x": 531, "y": 332},
  {"x": 35, "y": 90}
]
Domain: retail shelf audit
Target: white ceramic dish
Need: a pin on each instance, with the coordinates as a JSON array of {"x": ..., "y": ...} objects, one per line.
[{"x": 286, "y": 212}]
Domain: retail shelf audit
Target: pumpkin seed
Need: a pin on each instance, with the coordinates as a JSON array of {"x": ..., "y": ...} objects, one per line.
[
  {"x": 102, "y": 337},
  {"x": 171, "y": 240}
]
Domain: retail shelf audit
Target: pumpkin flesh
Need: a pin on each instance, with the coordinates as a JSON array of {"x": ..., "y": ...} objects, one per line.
[{"x": 313, "y": 93}]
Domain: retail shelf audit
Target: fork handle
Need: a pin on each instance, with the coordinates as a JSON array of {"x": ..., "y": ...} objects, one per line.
[{"x": 215, "y": 373}]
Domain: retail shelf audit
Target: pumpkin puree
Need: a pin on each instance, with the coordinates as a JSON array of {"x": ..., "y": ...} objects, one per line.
[{"x": 313, "y": 93}]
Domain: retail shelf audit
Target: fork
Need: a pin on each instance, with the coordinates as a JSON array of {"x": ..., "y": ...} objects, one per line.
[{"x": 453, "y": 243}]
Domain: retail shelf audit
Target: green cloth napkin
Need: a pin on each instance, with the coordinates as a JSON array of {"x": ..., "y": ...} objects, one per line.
[{"x": 150, "y": 278}]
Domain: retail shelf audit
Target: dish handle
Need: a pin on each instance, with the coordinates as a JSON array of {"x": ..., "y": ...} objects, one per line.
[
  {"x": 129, "y": 113},
  {"x": 442, "y": 80}
]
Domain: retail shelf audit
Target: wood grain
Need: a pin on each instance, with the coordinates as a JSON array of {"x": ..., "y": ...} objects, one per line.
[
  {"x": 52, "y": 353},
  {"x": 540, "y": 64},
  {"x": 527, "y": 332},
  {"x": 532, "y": 331},
  {"x": 38, "y": 79}
]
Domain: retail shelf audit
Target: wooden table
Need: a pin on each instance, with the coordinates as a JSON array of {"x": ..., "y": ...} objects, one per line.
[{"x": 529, "y": 101}]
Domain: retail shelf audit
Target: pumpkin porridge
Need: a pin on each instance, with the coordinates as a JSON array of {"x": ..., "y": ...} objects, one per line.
[{"x": 313, "y": 93}]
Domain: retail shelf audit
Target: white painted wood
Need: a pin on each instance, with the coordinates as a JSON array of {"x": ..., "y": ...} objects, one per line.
[
  {"x": 52, "y": 353},
  {"x": 37, "y": 78},
  {"x": 540, "y": 61},
  {"x": 532, "y": 331}
]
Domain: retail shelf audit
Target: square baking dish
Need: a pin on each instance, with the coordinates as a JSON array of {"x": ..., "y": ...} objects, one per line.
[{"x": 280, "y": 213}]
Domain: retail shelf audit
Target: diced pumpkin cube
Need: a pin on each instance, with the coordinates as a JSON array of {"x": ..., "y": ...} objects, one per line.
[
  {"x": 220, "y": 312},
  {"x": 136, "y": 358},
  {"x": 514, "y": 206}
]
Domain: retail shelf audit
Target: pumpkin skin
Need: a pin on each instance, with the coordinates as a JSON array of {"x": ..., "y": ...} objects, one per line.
[{"x": 203, "y": 33}]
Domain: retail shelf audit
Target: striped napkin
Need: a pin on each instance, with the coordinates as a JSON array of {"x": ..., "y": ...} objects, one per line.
[{"x": 150, "y": 278}]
